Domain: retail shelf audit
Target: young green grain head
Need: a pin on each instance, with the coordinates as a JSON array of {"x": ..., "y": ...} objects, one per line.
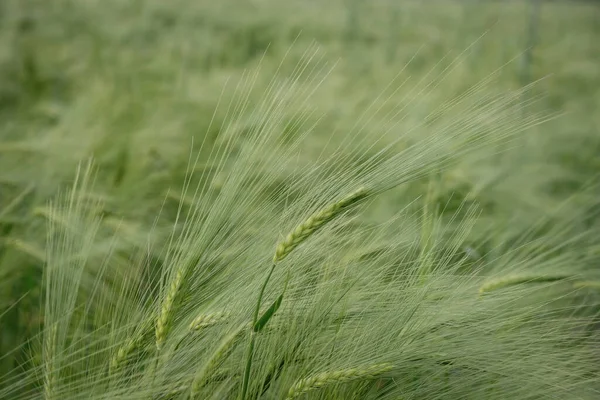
[
  {"x": 330, "y": 378},
  {"x": 206, "y": 320},
  {"x": 316, "y": 221}
]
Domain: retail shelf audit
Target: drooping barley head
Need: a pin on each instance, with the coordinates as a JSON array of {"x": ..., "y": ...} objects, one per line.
[
  {"x": 205, "y": 320},
  {"x": 314, "y": 222},
  {"x": 224, "y": 349},
  {"x": 511, "y": 280},
  {"x": 335, "y": 377},
  {"x": 163, "y": 322}
]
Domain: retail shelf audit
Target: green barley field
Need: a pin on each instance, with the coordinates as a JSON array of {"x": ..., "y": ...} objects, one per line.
[{"x": 299, "y": 199}]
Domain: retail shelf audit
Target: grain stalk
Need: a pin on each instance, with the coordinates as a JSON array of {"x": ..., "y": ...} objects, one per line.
[
  {"x": 294, "y": 239},
  {"x": 428, "y": 230},
  {"x": 49, "y": 370}
]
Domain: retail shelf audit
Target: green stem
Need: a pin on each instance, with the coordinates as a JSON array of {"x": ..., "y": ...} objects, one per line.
[{"x": 245, "y": 382}]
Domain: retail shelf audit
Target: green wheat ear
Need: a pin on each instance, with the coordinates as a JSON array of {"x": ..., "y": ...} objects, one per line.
[
  {"x": 587, "y": 284},
  {"x": 334, "y": 377},
  {"x": 223, "y": 351},
  {"x": 205, "y": 320},
  {"x": 132, "y": 343},
  {"x": 121, "y": 355},
  {"x": 314, "y": 222},
  {"x": 163, "y": 322},
  {"x": 293, "y": 240},
  {"x": 512, "y": 280}
]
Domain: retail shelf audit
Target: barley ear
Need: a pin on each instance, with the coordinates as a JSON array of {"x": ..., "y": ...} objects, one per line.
[
  {"x": 220, "y": 354},
  {"x": 163, "y": 322},
  {"x": 118, "y": 359},
  {"x": 206, "y": 320},
  {"x": 335, "y": 377},
  {"x": 512, "y": 280},
  {"x": 131, "y": 344},
  {"x": 123, "y": 354},
  {"x": 314, "y": 222},
  {"x": 587, "y": 284},
  {"x": 293, "y": 240}
]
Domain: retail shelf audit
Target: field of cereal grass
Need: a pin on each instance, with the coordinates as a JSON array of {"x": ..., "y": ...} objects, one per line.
[{"x": 481, "y": 168}]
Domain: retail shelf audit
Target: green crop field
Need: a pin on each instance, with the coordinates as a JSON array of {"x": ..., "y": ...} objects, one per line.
[{"x": 299, "y": 199}]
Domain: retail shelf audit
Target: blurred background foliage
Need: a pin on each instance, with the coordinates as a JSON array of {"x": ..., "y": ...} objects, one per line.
[{"x": 132, "y": 82}]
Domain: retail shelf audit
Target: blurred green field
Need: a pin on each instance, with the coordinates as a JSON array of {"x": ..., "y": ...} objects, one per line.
[{"x": 141, "y": 85}]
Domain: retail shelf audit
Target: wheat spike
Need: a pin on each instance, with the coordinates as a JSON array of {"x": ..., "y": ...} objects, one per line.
[
  {"x": 206, "y": 320},
  {"x": 334, "y": 377},
  {"x": 220, "y": 354},
  {"x": 511, "y": 280},
  {"x": 163, "y": 321},
  {"x": 587, "y": 284},
  {"x": 314, "y": 222},
  {"x": 122, "y": 354},
  {"x": 293, "y": 240},
  {"x": 132, "y": 343}
]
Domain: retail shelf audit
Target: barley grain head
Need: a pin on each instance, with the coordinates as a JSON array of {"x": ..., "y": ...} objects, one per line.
[
  {"x": 337, "y": 377},
  {"x": 303, "y": 231}
]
